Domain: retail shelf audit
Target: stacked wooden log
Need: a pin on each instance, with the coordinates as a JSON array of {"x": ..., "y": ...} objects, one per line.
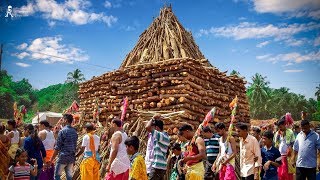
[
  {"x": 165, "y": 39},
  {"x": 165, "y": 71},
  {"x": 174, "y": 85}
]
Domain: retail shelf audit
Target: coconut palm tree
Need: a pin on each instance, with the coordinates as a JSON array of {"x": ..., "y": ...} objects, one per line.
[
  {"x": 258, "y": 95},
  {"x": 75, "y": 77},
  {"x": 317, "y": 94},
  {"x": 234, "y": 72}
]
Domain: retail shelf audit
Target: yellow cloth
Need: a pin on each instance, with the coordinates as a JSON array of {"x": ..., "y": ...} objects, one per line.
[
  {"x": 291, "y": 169},
  {"x": 138, "y": 170},
  {"x": 12, "y": 150},
  {"x": 89, "y": 167},
  {"x": 195, "y": 172}
]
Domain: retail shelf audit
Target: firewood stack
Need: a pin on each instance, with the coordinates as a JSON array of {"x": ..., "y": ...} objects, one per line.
[{"x": 164, "y": 71}]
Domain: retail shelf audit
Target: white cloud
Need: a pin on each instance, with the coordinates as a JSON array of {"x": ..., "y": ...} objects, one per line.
[
  {"x": 297, "y": 8},
  {"x": 51, "y": 23},
  {"x": 317, "y": 41},
  {"x": 289, "y": 64},
  {"x": 22, "y": 64},
  {"x": 22, "y": 46},
  {"x": 107, "y": 4},
  {"x": 263, "y": 56},
  {"x": 246, "y": 30},
  {"x": 295, "y": 42},
  {"x": 51, "y": 50},
  {"x": 293, "y": 57},
  {"x": 73, "y": 11},
  {"x": 260, "y": 45},
  {"x": 22, "y": 55},
  {"x": 25, "y": 10},
  {"x": 314, "y": 14},
  {"x": 128, "y": 28},
  {"x": 242, "y": 18},
  {"x": 293, "y": 70}
]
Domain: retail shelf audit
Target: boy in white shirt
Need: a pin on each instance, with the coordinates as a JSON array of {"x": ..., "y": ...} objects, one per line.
[{"x": 90, "y": 165}]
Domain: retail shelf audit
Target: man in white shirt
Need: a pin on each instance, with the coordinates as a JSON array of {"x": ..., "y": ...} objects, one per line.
[
  {"x": 250, "y": 154},
  {"x": 90, "y": 165}
]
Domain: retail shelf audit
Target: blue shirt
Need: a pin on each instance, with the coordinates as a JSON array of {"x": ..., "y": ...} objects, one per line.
[
  {"x": 307, "y": 147},
  {"x": 34, "y": 152},
  {"x": 272, "y": 154},
  {"x": 66, "y": 145}
]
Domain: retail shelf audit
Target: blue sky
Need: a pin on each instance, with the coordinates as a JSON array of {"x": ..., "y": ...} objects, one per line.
[{"x": 279, "y": 39}]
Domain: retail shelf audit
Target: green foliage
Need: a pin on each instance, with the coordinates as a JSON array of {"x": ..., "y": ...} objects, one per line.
[
  {"x": 258, "y": 95},
  {"x": 235, "y": 73},
  {"x": 317, "y": 94},
  {"x": 75, "y": 77},
  {"x": 57, "y": 97},
  {"x": 53, "y": 98},
  {"x": 6, "y": 103},
  {"x": 266, "y": 103},
  {"x": 316, "y": 115}
]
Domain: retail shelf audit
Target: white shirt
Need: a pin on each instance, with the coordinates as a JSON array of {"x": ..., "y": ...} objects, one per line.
[
  {"x": 50, "y": 141},
  {"x": 283, "y": 145},
  {"x": 86, "y": 142},
  {"x": 223, "y": 153},
  {"x": 16, "y": 137},
  {"x": 249, "y": 149},
  {"x": 122, "y": 162}
]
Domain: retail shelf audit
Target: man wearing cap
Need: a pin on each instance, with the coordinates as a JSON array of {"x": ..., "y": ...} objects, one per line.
[{"x": 161, "y": 144}]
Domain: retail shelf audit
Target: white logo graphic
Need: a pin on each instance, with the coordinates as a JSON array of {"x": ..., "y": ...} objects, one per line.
[{"x": 9, "y": 11}]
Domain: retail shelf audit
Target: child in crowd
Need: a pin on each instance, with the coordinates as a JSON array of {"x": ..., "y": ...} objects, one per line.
[
  {"x": 271, "y": 158},
  {"x": 21, "y": 170},
  {"x": 138, "y": 170},
  {"x": 176, "y": 150}
]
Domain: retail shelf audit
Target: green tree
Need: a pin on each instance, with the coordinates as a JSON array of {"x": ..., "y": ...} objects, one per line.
[
  {"x": 6, "y": 103},
  {"x": 75, "y": 77},
  {"x": 258, "y": 95},
  {"x": 234, "y": 72},
  {"x": 317, "y": 94},
  {"x": 316, "y": 115}
]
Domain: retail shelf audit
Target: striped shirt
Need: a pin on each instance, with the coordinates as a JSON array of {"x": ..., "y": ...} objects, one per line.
[
  {"x": 161, "y": 144},
  {"x": 66, "y": 145},
  {"x": 21, "y": 172},
  {"x": 212, "y": 147}
]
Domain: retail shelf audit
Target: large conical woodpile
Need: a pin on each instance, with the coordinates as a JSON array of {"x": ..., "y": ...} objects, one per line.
[
  {"x": 164, "y": 72},
  {"x": 165, "y": 39}
]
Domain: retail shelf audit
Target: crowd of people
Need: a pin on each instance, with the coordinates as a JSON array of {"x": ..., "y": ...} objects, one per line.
[{"x": 283, "y": 153}]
